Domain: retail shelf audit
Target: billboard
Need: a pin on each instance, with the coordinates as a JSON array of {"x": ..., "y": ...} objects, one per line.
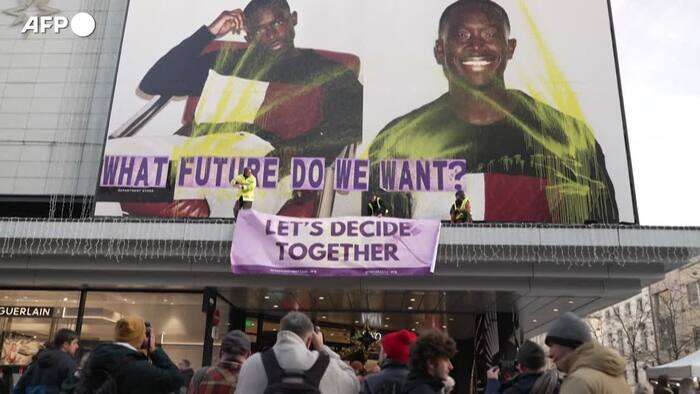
[{"x": 330, "y": 103}]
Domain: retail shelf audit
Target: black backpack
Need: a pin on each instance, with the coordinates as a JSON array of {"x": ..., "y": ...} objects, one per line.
[{"x": 280, "y": 381}]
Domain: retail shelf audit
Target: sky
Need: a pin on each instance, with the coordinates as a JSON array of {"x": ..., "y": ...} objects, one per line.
[{"x": 659, "y": 57}]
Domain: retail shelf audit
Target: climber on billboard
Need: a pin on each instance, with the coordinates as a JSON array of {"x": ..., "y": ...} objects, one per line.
[{"x": 534, "y": 163}]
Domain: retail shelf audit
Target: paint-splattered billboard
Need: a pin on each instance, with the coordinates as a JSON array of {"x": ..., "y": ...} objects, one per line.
[{"x": 335, "y": 104}]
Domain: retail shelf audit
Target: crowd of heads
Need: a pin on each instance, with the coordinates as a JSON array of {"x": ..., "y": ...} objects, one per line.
[{"x": 428, "y": 353}]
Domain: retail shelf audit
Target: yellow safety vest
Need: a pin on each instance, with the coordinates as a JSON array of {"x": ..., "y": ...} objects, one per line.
[{"x": 247, "y": 188}]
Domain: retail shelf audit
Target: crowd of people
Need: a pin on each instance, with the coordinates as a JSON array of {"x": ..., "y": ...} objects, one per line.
[{"x": 300, "y": 362}]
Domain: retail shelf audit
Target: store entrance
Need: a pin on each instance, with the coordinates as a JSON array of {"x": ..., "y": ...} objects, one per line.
[{"x": 353, "y": 321}]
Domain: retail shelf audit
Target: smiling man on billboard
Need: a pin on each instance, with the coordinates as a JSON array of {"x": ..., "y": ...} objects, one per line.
[{"x": 538, "y": 164}]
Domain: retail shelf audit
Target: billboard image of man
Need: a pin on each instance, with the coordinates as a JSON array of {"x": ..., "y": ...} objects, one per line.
[
  {"x": 539, "y": 164},
  {"x": 301, "y": 102}
]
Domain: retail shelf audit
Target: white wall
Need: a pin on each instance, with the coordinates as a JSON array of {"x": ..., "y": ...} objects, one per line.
[{"x": 55, "y": 93}]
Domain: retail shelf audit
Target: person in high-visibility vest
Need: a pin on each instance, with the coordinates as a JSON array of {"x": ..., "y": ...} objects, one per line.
[
  {"x": 376, "y": 207},
  {"x": 461, "y": 211},
  {"x": 247, "y": 183}
]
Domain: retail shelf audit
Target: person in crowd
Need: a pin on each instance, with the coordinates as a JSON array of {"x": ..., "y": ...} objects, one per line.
[
  {"x": 687, "y": 386},
  {"x": 131, "y": 364},
  {"x": 71, "y": 383},
  {"x": 52, "y": 366},
  {"x": 393, "y": 356},
  {"x": 522, "y": 147},
  {"x": 247, "y": 183},
  {"x": 461, "y": 210},
  {"x": 590, "y": 368},
  {"x": 186, "y": 370},
  {"x": 642, "y": 388},
  {"x": 530, "y": 362},
  {"x": 300, "y": 359},
  {"x": 662, "y": 386},
  {"x": 376, "y": 207},
  {"x": 430, "y": 365},
  {"x": 223, "y": 378},
  {"x": 372, "y": 367}
]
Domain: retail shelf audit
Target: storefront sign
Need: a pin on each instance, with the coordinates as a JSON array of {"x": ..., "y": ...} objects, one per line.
[
  {"x": 26, "y": 311},
  {"x": 348, "y": 246}
]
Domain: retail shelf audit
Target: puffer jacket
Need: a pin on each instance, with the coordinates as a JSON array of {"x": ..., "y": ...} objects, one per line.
[
  {"x": 47, "y": 374},
  {"x": 593, "y": 368}
]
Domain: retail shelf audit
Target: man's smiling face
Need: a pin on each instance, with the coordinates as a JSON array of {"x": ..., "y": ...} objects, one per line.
[{"x": 473, "y": 48}]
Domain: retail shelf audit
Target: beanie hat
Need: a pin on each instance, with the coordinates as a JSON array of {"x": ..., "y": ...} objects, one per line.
[
  {"x": 131, "y": 330},
  {"x": 531, "y": 355},
  {"x": 396, "y": 345},
  {"x": 569, "y": 330}
]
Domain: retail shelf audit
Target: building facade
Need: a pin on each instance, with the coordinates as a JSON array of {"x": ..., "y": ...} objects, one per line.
[{"x": 62, "y": 268}]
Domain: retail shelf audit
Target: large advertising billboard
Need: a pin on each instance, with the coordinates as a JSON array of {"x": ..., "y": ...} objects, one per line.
[{"x": 329, "y": 104}]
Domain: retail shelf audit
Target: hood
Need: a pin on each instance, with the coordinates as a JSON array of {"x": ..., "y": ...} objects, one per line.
[
  {"x": 51, "y": 357},
  {"x": 592, "y": 355},
  {"x": 109, "y": 356},
  {"x": 417, "y": 379}
]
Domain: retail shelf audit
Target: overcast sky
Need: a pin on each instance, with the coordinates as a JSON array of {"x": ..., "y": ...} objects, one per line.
[{"x": 659, "y": 57}]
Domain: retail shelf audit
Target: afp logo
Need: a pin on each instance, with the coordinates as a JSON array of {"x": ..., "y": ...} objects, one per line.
[{"x": 82, "y": 24}]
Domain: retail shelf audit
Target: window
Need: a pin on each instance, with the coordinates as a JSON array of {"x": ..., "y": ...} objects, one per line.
[
  {"x": 607, "y": 314},
  {"x": 696, "y": 335},
  {"x": 645, "y": 339},
  {"x": 693, "y": 293},
  {"x": 628, "y": 309},
  {"x": 617, "y": 311},
  {"x": 611, "y": 341},
  {"x": 640, "y": 306},
  {"x": 177, "y": 319},
  {"x": 621, "y": 339},
  {"x": 36, "y": 317}
]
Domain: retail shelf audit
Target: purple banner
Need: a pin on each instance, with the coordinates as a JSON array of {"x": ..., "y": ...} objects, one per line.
[
  {"x": 348, "y": 246},
  {"x": 422, "y": 175},
  {"x": 134, "y": 172},
  {"x": 217, "y": 172}
]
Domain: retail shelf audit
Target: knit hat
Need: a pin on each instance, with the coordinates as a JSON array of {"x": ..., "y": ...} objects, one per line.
[
  {"x": 131, "y": 330},
  {"x": 569, "y": 330},
  {"x": 396, "y": 345},
  {"x": 531, "y": 355}
]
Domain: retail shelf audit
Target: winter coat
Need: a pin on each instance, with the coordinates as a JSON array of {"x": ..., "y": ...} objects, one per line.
[
  {"x": 592, "y": 368},
  {"x": 392, "y": 372},
  {"x": 132, "y": 370},
  {"x": 49, "y": 371},
  {"x": 521, "y": 384},
  {"x": 420, "y": 383},
  {"x": 292, "y": 354}
]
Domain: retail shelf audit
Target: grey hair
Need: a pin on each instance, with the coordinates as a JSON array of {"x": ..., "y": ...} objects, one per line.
[{"x": 297, "y": 323}]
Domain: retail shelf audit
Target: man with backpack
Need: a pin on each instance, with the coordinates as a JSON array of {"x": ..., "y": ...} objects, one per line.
[
  {"x": 130, "y": 365},
  {"x": 530, "y": 363},
  {"x": 222, "y": 379},
  {"x": 51, "y": 367},
  {"x": 394, "y": 359},
  {"x": 298, "y": 363}
]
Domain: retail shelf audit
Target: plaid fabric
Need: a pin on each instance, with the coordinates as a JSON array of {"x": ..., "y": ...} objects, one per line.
[{"x": 221, "y": 379}]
